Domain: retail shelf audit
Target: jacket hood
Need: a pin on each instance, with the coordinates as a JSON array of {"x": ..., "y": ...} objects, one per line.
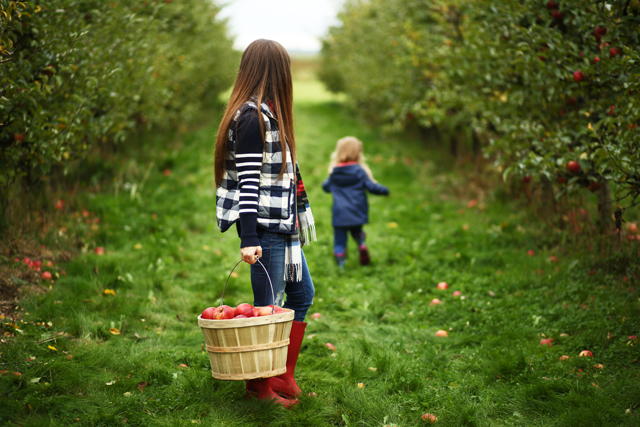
[{"x": 345, "y": 176}]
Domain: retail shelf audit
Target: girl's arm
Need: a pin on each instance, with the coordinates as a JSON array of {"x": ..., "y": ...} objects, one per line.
[
  {"x": 249, "y": 152},
  {"x": 374, "y": 187},
  {"x": 326, "y": 185}
]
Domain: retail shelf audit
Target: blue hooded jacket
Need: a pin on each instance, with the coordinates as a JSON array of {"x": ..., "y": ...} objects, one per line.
[{"x": 349, "y": 185}]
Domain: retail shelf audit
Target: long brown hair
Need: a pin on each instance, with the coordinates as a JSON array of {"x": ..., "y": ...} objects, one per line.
[{"x": 265, "y": 73}]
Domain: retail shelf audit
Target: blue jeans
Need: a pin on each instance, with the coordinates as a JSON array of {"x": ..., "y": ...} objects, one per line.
[
  {"x": 299, "y": 294},
  {"x": 340, "y": 238}
]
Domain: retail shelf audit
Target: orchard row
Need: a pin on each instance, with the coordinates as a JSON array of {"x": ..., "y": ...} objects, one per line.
[
  {"x": 77, "y": 74},
  {"x": 548, "y": 89}
]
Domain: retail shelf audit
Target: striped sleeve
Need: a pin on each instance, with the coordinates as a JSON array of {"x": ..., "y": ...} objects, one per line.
[{"x": 249, "y": 152}]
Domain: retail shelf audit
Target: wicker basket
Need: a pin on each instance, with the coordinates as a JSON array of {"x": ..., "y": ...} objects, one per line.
[{"x": 245, "y": 349}]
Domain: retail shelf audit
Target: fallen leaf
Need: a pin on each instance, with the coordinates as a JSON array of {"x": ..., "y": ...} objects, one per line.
[
  {"x": 52, "y": 348},
  {"x": 142, "y": 385},
  {"x": 373, "y": 369},
  {"x": 137, "y": 246},
  {"x": 114, "y": 331},
  {"x": 111, "y": 383},
  {"x": 392, "y": 225},
  {"x": 110, "y": 292},
  {"x": 360, "y": 385},
  {"x": 35, "y": 380}
]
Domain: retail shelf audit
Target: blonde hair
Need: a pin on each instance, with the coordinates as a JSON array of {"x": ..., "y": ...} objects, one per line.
[{"x": 349, "y": 149}]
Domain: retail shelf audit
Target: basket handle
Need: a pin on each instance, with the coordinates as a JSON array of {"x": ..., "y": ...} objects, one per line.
[{"x": 268, "y": 277}]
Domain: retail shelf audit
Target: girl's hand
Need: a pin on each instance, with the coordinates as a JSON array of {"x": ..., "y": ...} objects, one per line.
[{"x": 249, "y": 254}]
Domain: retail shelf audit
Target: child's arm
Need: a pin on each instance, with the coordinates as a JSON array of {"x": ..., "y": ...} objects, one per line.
[
  {"x": 326, "y": 185},
  {"x": 374, "y": 187}
]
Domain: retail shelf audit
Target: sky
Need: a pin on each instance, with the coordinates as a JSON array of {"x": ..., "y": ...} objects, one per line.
[{"x": 296, "y": 24}]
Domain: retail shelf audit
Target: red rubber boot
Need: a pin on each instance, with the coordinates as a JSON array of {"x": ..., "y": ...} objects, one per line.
[
  {"x": 285, "y": 384},
  {"x": 261, "y": 388}
]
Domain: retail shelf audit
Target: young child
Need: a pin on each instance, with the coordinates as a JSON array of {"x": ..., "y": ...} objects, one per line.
[{"x": 349, "y": 180}]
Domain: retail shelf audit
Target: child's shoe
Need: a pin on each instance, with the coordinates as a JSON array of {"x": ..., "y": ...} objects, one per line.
[
  {"x": 341, "y": 260},
  {"x": 364, "y": 255}
]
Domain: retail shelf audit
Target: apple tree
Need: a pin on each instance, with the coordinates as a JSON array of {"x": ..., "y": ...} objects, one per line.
[{"x": 76, "y": 74}]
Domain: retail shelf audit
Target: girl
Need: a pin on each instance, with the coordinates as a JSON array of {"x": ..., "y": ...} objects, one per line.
[
  {"x": 259, "y": 189},
  {"x": 349, "y": 177}
]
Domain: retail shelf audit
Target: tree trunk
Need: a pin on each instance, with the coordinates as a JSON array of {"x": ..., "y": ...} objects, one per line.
[
  {"x": 604, "y": 206},
  {"x": 476, "y": 145},
  {"x": 548, "y": 195}
]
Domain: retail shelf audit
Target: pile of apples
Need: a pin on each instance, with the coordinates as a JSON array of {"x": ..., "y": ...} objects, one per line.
[{"x": 242, "y": 311}]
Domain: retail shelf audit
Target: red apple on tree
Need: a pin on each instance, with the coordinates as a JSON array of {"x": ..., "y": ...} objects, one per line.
[
  {"x": 613, "y": 52},
  {"x": 551, "y": 5},
  {"x": 526, "y": 179},
  {"x": 573, "y": 166},
  {"x": 596, "y": 60},
  {"x": 243, "y": 309},
  {"x": 18, "y": 137},
  {"x": 557, "y": 14},
  {"x": 578, "y": 76},
  {"x": 633, "y": 228}
]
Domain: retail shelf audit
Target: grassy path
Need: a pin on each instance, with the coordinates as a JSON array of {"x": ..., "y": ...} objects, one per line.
[{"x": 166, "y": 260}]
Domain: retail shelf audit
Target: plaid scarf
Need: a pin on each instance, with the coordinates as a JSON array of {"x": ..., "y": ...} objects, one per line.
[{"x": 306, "y": 231}]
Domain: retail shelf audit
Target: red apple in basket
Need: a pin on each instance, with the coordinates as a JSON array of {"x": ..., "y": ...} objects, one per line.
[
  {"x": 266, "y": 311},
  {"x": 241, "y": 316},
  {"x": 256, "y": 311},
  {"x": 243, "y": 309},
  {"x": 208, "y": 313},
  {"x": 223, "y": 312},
  {"x": 278, "y": 309}
]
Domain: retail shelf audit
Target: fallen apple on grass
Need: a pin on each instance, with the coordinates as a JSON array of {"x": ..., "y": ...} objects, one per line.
[
  {"x": 585, "y": 353},
  {"x": 531, "y": 252},
  {"x": 99, "y": 250},
  {"x": 429, "y": 417},
  {"x": 46, "y": 275},
  {"x": 443, "y": 285},
  {"x": 330, "y": 346},
  {"x": 456, "y": 294},
  {"x": 632, "y": 338},
  {"x": 442, "y": 333},
  {"x": 546, "y": 341},
  {"x": 435, "y": 301},
  {"x": 316, "y": 316},
  {"x": 564, "y": 358}
]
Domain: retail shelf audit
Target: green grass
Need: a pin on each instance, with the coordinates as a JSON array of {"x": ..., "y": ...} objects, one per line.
[{"x": 491, "y": 370}]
